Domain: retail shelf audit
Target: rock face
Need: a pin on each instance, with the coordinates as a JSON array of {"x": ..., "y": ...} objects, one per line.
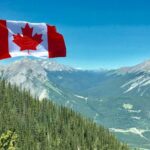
[
  {"x": 31, "y": 75},
  {"x": 119, "y": 99}
]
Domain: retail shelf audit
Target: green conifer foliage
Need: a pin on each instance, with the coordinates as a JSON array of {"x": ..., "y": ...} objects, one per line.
[
  {"x": 43, "y": 125},
  {"x": 8, "y": 140}
]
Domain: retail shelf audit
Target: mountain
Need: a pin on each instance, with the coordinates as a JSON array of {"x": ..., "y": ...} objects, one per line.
[
  {"x": 27, "y": 123},
  {"x": 117, "y": 99},
  {"x": 31, "y": 75},
  {"x": 35, "y": 77},
  {"x": 142, "y": 67}
]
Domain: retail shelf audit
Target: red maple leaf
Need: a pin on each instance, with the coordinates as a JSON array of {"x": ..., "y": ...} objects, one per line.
[{"x": 25, "y": 40}]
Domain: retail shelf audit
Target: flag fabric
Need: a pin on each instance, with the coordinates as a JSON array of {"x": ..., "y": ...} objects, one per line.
[{"x": 20, "y": 38}]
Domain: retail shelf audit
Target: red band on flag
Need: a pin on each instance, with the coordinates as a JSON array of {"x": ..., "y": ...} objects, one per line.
[
  {"x": 4, "y": 51},
  {"x": 56, "y": 44}
]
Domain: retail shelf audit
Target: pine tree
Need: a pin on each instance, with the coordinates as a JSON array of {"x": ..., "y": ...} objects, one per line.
[{"x": 8, "y": 140}]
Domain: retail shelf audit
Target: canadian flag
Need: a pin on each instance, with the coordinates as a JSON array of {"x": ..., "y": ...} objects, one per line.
[{"x": 19, "y": 38}]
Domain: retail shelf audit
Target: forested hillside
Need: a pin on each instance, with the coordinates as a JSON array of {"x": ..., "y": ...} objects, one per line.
[{"x": 42, "y": 125}]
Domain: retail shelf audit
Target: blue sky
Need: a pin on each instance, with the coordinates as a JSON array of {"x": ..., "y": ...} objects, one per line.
[{"x": 98, "y": 33}]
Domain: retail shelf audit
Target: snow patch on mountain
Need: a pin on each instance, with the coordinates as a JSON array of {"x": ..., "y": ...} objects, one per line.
[
  {"x": 137, "y": 83},
  {"x": 134, "y": 111},
  {"x": 81, "y": 97},
  {"x": 133, "y": 130},
  {"x": 136, "y": 117},
  {"x": 142, "y": 148},
  {"x": 127, "y": 106}
]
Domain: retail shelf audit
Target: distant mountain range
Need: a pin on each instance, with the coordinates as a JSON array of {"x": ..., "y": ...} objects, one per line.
[{"x": 119, "y": 99}]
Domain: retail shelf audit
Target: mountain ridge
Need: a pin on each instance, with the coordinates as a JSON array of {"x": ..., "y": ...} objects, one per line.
[
  {"x": 118, "y": 100},
  {"x": 55, "y": 66}
]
